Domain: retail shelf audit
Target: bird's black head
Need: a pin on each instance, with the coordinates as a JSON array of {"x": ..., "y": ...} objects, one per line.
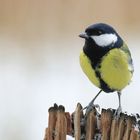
[
  {"x": 99, "y": 39},
  {"x": 102, "y": 35}
]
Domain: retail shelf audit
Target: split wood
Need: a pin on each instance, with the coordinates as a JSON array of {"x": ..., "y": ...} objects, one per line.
[{"x": 94, "y": 126}]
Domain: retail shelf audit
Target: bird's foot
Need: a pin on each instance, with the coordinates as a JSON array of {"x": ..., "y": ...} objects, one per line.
[
  {"x": 90, "y": 108},
  {"x": 118, "y": 112}
]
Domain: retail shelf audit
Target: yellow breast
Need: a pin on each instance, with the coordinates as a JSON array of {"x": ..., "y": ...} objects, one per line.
[
  {"x": 88, "y": 70},
  {"x": 114, "y": 69}
]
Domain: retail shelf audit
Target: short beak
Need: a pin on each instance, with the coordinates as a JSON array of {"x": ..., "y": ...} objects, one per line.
[{"x": 84, "y": 35}]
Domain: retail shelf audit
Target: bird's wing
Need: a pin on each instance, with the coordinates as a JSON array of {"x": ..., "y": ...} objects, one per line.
[{"x": 130, "y": 62}]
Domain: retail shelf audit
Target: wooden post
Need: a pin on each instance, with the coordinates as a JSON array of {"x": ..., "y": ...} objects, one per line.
[
  {"x": 94, "y": 125},
  {"x": 133, "y": 135},
  {"x": 91, "y": 124},
  {"x": 61, "y": 125},
  {"x": 129, "y": 123},
  {"x": 51, "y": 122},
  {"x": 114, "y": 129},
  {"x": 106, "y": 120},
  {"x": 121, "y": 127},
  {"x": 77, "y": 119},
  {"x": 69, "y": 123}
]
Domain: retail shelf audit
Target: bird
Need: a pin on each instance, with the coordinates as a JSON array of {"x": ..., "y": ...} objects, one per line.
[{"x": 106, "y": 60}]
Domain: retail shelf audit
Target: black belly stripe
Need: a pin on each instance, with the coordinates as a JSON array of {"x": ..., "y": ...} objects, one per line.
[{"x": 103, "y": 84}]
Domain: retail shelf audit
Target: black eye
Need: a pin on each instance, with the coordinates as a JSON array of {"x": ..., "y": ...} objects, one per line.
[
  {"x": 97, "y": 32},
  {"x": 93, "y": 32},
  {"x": 100, "y": 32}
]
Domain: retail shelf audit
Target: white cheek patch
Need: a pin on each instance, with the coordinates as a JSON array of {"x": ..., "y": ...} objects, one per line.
[{"x": 105, "y": 39}]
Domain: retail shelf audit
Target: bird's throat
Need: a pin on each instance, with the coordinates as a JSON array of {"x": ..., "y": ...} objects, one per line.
[{"x": 94, "y": 53}]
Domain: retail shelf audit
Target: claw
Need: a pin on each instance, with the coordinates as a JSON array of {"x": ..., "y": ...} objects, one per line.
[
  {"x": 97, "y": 106},
  {"x": 91, "y": 107},
  {"x": 118, "y": 112}
]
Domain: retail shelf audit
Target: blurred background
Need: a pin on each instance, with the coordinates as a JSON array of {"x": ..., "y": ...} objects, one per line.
[{"x": 39, "y": 60}]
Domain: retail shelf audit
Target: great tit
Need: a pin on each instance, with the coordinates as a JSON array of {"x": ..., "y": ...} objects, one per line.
[{"x": 106, "y": 60}]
